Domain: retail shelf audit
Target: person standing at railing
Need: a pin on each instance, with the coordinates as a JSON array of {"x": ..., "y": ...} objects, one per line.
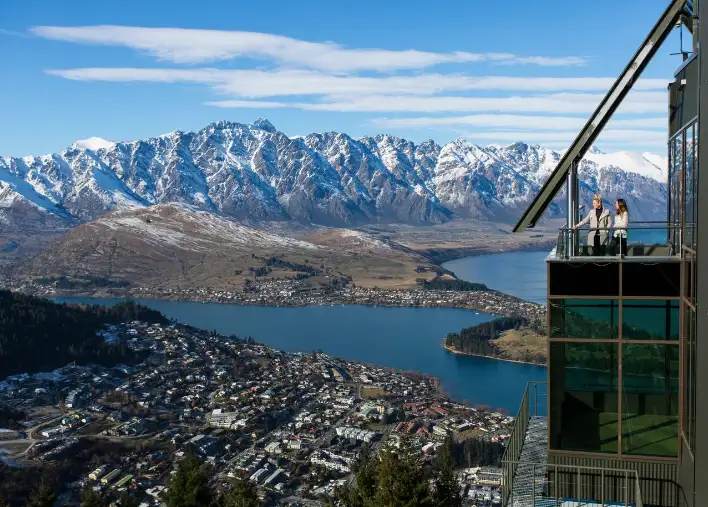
[
  {"x": 619, "y": 236},
  {"x": 599, "y": 220}
]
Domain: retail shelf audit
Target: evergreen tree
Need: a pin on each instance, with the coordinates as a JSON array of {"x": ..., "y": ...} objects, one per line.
[
  {"x": 366, "y": 471},
  {"x": 128, "y": 500},
  {"x": 402, "y": 482},
  {"x": 44, "y": 496},
  {"x": 89, "y": 498},
  {"x": 189, "y": 487},
  {"x": 243, "y": 493},
  {"x": 447, "y": 488}
]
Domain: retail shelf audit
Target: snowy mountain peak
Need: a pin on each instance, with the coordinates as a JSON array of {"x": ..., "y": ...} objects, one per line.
[
  {"x": 263, "y": 124},
  {"x": 255, "y": 172},
  {"x": 93, "y": 144}
]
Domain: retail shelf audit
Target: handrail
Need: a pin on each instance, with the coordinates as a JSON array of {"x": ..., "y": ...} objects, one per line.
[
  {"x": 581, "y": 481},
  {"x": 518, "y": 434},
  {"x": 571, "y": 240}
]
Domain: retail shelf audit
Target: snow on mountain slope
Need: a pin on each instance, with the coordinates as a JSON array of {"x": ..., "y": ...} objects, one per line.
[
  {"x": 255, "y": 172},
  {"x": 633, "y": 162},
  {"x": 94, "y": 144}
]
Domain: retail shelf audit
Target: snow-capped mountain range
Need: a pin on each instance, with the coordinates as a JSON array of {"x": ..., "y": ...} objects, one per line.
[{"x": 254, "y": 172}]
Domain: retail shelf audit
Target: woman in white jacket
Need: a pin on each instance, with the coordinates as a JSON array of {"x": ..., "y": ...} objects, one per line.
[{"x": 619, "y": 236}]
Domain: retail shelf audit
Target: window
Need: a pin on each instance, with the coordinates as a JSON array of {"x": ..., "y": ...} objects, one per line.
[
  {"x": 583, "y": 393},
  {"x": 584, "y": 318},
  {"x": 689, "y": 189},
  {"x": 690, "y": 347},
  {"x": 676, "y": 157},
  {"x": 650, "y": 319},
  {"x": 688, "y": 276},
  {"x": 650, "y": 399}
]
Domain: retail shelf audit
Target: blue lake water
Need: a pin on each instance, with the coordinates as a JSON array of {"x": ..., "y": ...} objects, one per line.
[
  {"x": 405, "y": 338},
  {"x": 521, "y": 274}
]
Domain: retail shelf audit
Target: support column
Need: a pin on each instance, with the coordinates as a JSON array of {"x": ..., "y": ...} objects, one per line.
[{"x": 573, "y": 198}]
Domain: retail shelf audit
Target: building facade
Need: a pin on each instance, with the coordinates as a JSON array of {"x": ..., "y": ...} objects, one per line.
[{"x": 621, "y": 417}]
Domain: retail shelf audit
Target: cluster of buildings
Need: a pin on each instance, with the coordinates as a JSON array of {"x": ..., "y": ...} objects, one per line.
[
  {"x": 294, "y": 423},
  {"x": 296, "y": 293}
]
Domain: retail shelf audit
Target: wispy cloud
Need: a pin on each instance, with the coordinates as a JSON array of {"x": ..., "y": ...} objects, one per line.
[
  {"x": 258, "y": 83},
  {"x": 634, "y": 137},
  {"x": 550, "y": 104},
  {"x": 329, "y": 77},
  {"x": 512, "y": 121},
  {"x": 12, "y": 33},
  {"x": 190, "y": 46}
]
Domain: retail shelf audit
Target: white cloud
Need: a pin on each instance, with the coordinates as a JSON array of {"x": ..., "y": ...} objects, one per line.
[
  {"x": 513, "y": 122},
  {"x": 552, "y": 104},
  {"x": 258, "y": 83},
  {"x": 181, "y": 45},
  {"x": 637, "y": 137}
]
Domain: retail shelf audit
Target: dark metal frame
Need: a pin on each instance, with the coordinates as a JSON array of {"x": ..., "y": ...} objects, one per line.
[{"x": 678, "y": 10}]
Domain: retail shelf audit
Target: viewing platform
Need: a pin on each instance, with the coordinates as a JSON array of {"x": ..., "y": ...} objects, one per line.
[{"x": 529, "y": 479}]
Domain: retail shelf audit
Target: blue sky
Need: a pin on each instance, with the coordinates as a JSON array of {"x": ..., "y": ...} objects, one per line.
[{"x": 133, "y": 69}]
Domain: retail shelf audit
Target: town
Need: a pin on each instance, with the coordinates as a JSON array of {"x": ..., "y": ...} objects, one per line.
[
  {"x": 294, "y": 423},
  {"x": 295, "y": 293}
]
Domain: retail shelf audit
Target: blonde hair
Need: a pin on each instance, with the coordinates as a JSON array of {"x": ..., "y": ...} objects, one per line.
[{"x": 597, "y": 197}]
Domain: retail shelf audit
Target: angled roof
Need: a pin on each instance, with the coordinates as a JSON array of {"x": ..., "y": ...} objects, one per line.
[{"x": 678, "y": 10}]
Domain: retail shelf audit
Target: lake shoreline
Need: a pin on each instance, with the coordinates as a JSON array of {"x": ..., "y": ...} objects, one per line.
[
  {"x": 444, "y": 255},
  {"x": 459, "y": 352},
  {"x": 488, "y": 302}
]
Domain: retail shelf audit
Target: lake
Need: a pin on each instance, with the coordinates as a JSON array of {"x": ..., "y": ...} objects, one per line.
[
  {"x": 521, "y": 274},
  {"x": 405, "y": 338}
]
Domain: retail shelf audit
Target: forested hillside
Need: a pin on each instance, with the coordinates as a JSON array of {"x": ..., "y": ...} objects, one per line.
[
  {"x": 527, "y": 345},
  {"x": 39, "y": 335}
]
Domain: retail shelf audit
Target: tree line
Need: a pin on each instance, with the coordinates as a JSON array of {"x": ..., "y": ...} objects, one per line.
[
  {"x": 39, "y": 335},
  {"x": 449, "y": 284},
  {"x": 478, "y": 339},
  {"x": 397, "y": 477}
]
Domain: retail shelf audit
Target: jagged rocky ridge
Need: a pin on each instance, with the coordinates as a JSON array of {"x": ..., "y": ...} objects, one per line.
[{"x": 258, "y": 173}]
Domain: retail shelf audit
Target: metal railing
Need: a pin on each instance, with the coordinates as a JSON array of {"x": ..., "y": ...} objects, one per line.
[
  {"x": 564, "y": 485},
  {"x": 529, "y": 407},
  {"x": 642, "y": 239},
  {"x": 536, "y": 483}
]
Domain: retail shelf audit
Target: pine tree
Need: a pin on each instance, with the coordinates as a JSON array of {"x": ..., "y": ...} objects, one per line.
[
  {"x": 44, "y": 496},
  {"x": 402, "y": 482},
  {"x": 128, "y": 500},
  {"x": 189, "y": 487},
  {"x": 89, "y": 498},
  {"x": 447, "y": 489},
  {"x": 366, "y": 471},
  {"x": 243, "y": 493}
]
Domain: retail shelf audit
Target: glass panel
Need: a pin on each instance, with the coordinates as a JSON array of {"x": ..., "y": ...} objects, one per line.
[
  {"x": 686, "y": 416},
  {"x": 584, "y": 318},
  {"x": 650, "y": 399},
  {"x": 688, "y": 199},
  {"x": 688, "y": 281},
  {"x": 650, "y": 319},
  {"x": 694, "y": 186},
  {"x": 676, "y": 189},
  {"x": 691, "y": 381},
  {"x": 584, "y": 401},
  {"x": 672, "y": 170}
]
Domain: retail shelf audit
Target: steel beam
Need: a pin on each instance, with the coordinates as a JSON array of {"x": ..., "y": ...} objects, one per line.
[{"x": 604, "y": 111}]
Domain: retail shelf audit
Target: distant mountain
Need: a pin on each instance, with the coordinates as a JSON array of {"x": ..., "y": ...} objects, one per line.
[{"x": 257, "y": 173}]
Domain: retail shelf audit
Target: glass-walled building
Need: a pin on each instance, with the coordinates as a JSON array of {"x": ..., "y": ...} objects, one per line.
[{"x": 626, "y": 403}]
